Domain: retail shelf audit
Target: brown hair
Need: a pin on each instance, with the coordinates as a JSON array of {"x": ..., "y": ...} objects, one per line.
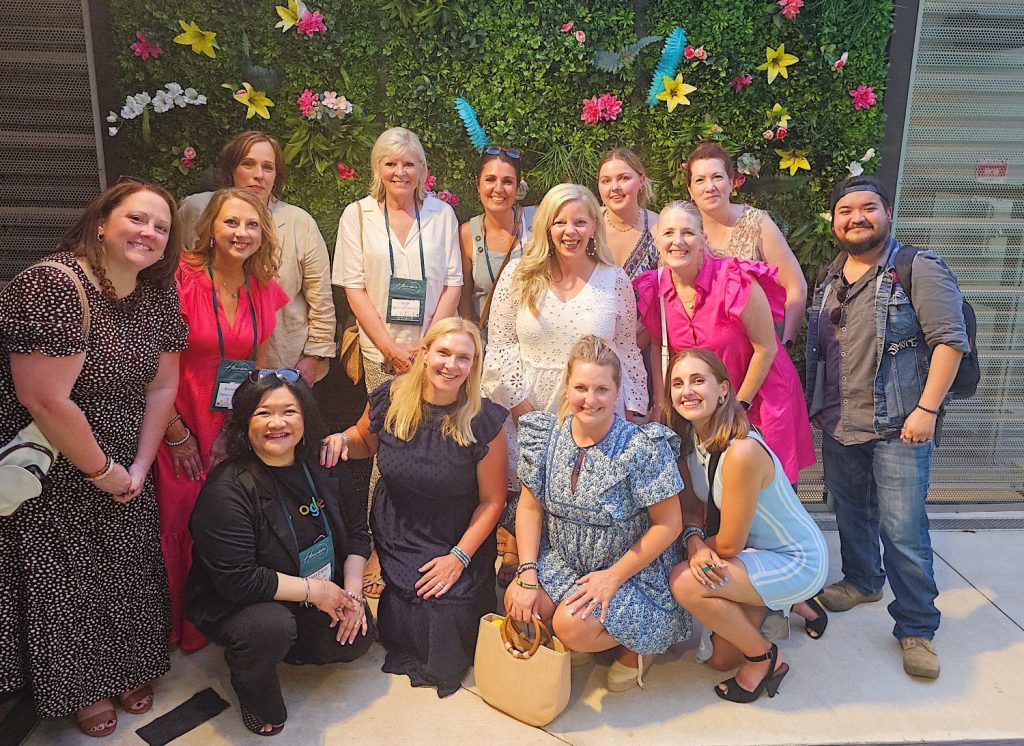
[
  {"x": 485, "y": 158},
  {"x": 588, "y": 349},
  {"x": 729, "y": 420},
  {"x": 707, "y": 151},
  {"x": 631, "y": 159},
  {"x": 82, "y": 239},
  {"x": 264, "y": 263},
  {"x": 238, "y": 148}
]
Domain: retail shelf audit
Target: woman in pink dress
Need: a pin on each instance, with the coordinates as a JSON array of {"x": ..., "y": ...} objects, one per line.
[
  {"x": 231, "y": 267},
  {"x": 727, "y": 305}
]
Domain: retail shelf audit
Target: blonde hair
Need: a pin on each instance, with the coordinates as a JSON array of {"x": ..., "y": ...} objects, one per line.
[
  {"x": 728, "y": 422},
  {"x": 646, "y": 194},
  {"x": 405, "y": 414},
  {"x": 588, "y": 349},
  {"x": 265, "y": 262},
  {"x": 390, "y": 143},
  {"x": 532, "y": 276},
  {"x": 687, "y": 207}
]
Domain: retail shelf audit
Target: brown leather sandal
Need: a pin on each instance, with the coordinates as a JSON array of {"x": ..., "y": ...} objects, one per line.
[
  {"x": 101, "y": 724},
  {"x": 137, "y": 701}
]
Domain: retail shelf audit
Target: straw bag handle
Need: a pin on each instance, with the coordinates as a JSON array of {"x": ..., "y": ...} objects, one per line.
[{"x": 516, "y": 644}]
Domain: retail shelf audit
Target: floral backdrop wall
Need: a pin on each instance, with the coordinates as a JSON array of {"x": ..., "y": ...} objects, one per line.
[{"x": 792, "y": 89}]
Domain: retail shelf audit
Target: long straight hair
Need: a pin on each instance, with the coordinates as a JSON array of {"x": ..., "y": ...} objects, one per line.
[
  {"x": 728, "y": 422},
  {"x": 405, "y": 414}
]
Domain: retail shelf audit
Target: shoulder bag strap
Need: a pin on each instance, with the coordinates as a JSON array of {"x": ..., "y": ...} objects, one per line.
[
  {"x": 713, "y": 517},
  {"x": 82, "y": 297},
  {"x": 666, "y": 353},
  {"x": 485, "y": 312}
]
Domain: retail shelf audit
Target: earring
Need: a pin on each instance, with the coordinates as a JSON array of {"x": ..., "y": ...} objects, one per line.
[
  {"x": 211, "y": 243},
  {"x": 99, "y": 236},
  {"x": 721, "y": 400},
  {"x": 551, "y": 248},
  {"x": 592, "y": 247}
]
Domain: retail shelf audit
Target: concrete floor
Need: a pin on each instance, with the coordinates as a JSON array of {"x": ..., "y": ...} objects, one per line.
[{"x": 848, "y": 688}]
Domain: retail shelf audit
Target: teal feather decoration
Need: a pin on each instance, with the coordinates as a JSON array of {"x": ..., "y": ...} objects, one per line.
[
  {"x": 476, "y": 133},
  {"x": 671, "y": 56}
]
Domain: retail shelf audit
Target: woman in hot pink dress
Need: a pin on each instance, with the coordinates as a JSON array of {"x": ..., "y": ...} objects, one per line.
[
  {"x": 235, "y": 255},
  {"x": 727, "y": 305}
]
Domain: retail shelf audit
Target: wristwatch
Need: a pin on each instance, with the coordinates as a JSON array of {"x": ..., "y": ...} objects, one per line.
[
  {"x": 788, "y": 344},
  {"x": 744, "y": 404}
]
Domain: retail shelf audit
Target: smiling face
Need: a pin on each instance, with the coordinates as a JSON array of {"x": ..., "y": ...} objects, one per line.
[
  {"x": 276, "y": 427},
  {"x": 448, "y": 362},
  {"x": 236, "y": 232},
  {"x": 135, "y": 232},
  {"x": 710, "y": 184},
  {"x": 572, "y": 230},
  {"x": 497, "y": 186},
  {"x": 591, "y": 392},
  {"x": 400, "y": 173},
  {"x": 619, "y": 185},
  {"x": 680, "y": 241},
  {"x": 257, "y": 171},
  {"x": 695, "y": 392},
  {"x": 861, "y": 222}
]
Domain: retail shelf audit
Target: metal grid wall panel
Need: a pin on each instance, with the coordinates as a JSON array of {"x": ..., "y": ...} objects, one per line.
[
  {"x": 48, "y": 162},
  {"x": 961, "y": 193}
]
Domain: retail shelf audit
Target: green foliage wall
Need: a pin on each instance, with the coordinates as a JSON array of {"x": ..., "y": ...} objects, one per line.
[{"x": 402, "y": 62}]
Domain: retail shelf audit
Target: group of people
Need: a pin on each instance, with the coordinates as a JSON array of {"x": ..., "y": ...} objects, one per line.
[{"x": 601, "y": 395}]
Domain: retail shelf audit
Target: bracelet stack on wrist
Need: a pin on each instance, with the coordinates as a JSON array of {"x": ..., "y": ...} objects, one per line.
[
  {"x": 528, "y": 586},
  {"x": 692, "y": 529},
  {"x": 107, "y": 468},
  {"x": 460, "y": 555},
  {"x": 524, "y": 567}
]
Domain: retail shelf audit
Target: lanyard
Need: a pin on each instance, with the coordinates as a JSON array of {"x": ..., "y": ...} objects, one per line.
[
  {"x": 287, "y": 513},
  {"x": 216, "y": 313},
  {"x": 391, "y": 251},
  {"x": 487, "y": 249}
]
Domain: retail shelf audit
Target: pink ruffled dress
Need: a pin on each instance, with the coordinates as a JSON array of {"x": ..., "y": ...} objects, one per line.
[{"x": 723, "y": 287}]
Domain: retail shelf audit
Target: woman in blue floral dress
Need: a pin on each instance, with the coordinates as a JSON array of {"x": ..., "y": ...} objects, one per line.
[{"x": 597, "y": 522}]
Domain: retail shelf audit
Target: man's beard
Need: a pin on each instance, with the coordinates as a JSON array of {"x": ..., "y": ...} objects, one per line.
[{"x": 872, "y": 241}]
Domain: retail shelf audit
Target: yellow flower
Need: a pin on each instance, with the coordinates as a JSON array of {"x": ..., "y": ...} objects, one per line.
[
  {"x": 776, "y": 62},
  {"x": 780, "y": 113},
  {"x": 200, "y": 41},
  {"x": 794, "y": 160},
  {"x": 256, "y": 101},
  {"x": 676, "y": 91},
  {"x": 289, "y": 15}
]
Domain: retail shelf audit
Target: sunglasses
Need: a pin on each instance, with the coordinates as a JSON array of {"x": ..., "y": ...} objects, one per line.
[
  {"x": 497, "y": 150},
  {"x": 837, "y": 313},
  {"x": 288, "y": 375}
]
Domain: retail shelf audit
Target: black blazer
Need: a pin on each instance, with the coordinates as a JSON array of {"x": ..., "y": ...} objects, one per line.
[{"x": 241, "y": 538}]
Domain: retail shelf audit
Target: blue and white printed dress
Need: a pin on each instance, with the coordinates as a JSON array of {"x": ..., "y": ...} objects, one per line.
[{"x": 630, "y": 469}]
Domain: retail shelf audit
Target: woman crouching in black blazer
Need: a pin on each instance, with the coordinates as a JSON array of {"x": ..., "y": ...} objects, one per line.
[{"x": 279, "y": 549}]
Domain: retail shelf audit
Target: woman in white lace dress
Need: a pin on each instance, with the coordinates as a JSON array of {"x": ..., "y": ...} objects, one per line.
[{"x": 565, "y": 286}]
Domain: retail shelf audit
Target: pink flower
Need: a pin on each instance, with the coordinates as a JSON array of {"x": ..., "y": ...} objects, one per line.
[
  {"x": 581, "y": 37},
  {"x": 609, "y": 106},
  {"x": 567, "y": 27},
  {"x": 345, "y": 172},
  {"x": 190, "y": 153},
  {"x": 841, "y": 62},
  {"x": 768, "y": 135},
  {"x": 863, "y": 97},
  {"x": 780, "y": 133},
  {"x": 700, "y": 54},
  {"x": 444, "y": 195},
  {"x": 186, "y": 162},
  {"x": 431, "y": 180},
  {"x": 453, "y": 199},
  {"x": 144, "y": 48},
  {"x": 689, "y": 53},
  {"x": 591, "y": 111},
  {"x": 741, "y": 81},
  {"x": 790, "y": 8},
  {"x": 307, "y": 102},
  {"x": 738, "y": 180},
  {"x": 311, "y": 23}
]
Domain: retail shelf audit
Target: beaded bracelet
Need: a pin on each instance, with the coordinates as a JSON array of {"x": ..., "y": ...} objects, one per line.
[
  {"x": 460, "y": 555},
  {"x": 354, "y": 596},
  {"x": 177, "y": 418},
  {"x": 528, "y": 586},
  {"x": 692, "y": 529},
  {"x": 97, "y": 475},
  {"x": 305, "y": 601},
  {"x": 929, "y": 411},
  {"x": 524, "y": 567},
  {"x": 186, "y": 436}
]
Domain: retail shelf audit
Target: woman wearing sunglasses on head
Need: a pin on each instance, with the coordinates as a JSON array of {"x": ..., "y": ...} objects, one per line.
[
  {"x": 279, "y": 549},
  {"x": 230, "y": 301}
]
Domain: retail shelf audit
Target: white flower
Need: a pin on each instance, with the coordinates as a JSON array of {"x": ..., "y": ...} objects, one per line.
[
  {"x": 192, "y": 96},
  {"x": 855, "y": 168},
  {"x": 112, "y": 118},
  {"x": 132, "y": 108},
  {"x": 142, "y": 98},
  {"x": 826, "y": 216},
  {"x": 868, "y": 155},
  {"x": 162, "y": 102},
  {"x": 111, "y": 131},
  {"x": 174, "y": 89}
]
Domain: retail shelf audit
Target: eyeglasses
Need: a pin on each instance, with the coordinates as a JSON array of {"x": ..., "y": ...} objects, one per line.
[
  {"x": 288, "y": 375},
  {"x": 837, "y": 313},
  {"x": 498, "y": 150},
  {"x": 129, "y": 180}
]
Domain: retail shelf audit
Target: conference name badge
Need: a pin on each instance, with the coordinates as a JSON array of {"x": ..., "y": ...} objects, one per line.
[
  {"x": 407, "y": 299},
  {"x": 230, "y": 375}
]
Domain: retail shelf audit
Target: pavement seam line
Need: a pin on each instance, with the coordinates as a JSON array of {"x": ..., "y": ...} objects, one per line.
[
  {"x": 984, "y": 595},
  {"x": 540, "y": 728}
]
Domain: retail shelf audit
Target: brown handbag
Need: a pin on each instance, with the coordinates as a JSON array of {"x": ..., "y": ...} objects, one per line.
[{"x": 351, "y": 356}]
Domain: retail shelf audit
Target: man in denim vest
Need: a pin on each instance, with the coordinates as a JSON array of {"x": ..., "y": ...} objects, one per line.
[{"x": 879, "y": 366}]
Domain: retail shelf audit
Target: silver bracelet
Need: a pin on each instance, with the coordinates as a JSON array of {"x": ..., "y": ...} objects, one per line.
[
  {"x": 186, "y": 436},
  {"x": 305, "y": 601},
  {"x": 692, "y": 529}
]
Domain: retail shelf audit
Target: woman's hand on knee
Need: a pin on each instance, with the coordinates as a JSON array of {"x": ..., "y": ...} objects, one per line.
[
  {"x": 594, "y": 588},
  {"x": 708, "y": 568}
]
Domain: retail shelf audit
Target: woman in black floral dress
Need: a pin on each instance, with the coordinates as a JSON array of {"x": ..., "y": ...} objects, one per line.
[{"x": 84, "y": 613}]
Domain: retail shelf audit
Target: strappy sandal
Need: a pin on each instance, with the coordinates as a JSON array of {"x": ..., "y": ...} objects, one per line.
[
  {"x": 373, "y": 581},
  {"x": 815, "y": 628},
  {"x": 256, "y": 724},
  {"x": 139, "y": 700},
  {"x": 770, "y": 682},
  {"x": 101, "y": 724},
  {"x": 508, "y": 569}
]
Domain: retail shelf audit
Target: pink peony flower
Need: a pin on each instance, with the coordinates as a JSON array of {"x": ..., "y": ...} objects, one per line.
[
  {"x": 768, "y": 135},
  {"x": 780, "y": 133},
  {"x": 609, "y": 105},
  {"x": 431, "y": 180},
  {"x": 186, "y": 162},
  {"x": 863, "y": 97},
  {"x": 190, "y": 153},
  {"x": 444, "y": 195},
  {"x": 345, "y": 172},
  {"x": 790, "y": 8},
  {"x": 689, "y": 53},
  {"x": 591, "y": 111},
  {"x": 741, "y": 81},
  {"x": 311, "y": 23},
  {"x": 700, "y": 54},
  {"x": 567, "y": 27},
  {"x": 144, "y": 48},
  {"x": 738, "y": 180},
  {"x": 581, "y": 37},
  {"x": 307, "y": 102},
  {"x": 453, "y": 199}
]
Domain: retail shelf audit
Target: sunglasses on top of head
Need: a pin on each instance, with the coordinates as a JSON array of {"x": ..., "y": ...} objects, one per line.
[
  {"x": 498, "y": 150},
  {"x": 288, "y": 375}
]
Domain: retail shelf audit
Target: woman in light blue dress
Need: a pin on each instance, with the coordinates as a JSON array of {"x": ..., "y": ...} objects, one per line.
[
  {"x": 767, "y": 551},
  {"x": 597, "y": 522}
]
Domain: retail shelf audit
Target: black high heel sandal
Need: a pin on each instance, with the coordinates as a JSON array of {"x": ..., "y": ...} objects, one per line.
[
  {"x": 815, "y": 628},
  {"x": 256, "y": 724},
  {"x": 770, "y": 683}
]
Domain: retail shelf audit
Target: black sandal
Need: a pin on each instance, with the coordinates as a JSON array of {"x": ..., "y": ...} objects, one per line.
[
  {"x": 256, "y": 723},
  {"x": 733, "y": 692},
  {"x": 815, "y": 628}
]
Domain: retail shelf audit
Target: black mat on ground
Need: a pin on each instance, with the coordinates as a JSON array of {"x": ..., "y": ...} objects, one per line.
[
  {"x": 197, "y": 710},
  {"x": 17, "y": 718}
]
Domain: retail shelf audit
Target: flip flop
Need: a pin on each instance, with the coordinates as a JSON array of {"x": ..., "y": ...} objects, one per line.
[
  {"x": 139, "y": 700},
  {"x": 98, "y": 725},
  {"x": 371, "y": 581}
]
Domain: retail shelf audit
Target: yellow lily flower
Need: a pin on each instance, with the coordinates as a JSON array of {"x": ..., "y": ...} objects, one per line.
[
  {"x": 200, "y": 41},
  {"x": 676, "y": 91},
  {"x": 256, "y": 101},
  {"x": 289, "y": 15},
  {"x": 781, "y": 114},
  {"x": 776, "y": 62},
  {"x": 794, "y": 160}
]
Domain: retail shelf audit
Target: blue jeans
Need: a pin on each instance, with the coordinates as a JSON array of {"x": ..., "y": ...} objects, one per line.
[{"x": 879, "y": 489}]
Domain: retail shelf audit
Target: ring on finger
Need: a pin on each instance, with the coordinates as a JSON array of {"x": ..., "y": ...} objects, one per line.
[{"x": 706, "y": 568}]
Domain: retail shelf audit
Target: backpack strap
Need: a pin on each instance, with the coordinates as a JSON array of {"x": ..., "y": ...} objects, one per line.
[{"x": 904, "y": 263}]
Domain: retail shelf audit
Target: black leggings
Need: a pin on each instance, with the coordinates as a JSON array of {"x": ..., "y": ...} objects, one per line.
[{"x": 260, "y": 636}]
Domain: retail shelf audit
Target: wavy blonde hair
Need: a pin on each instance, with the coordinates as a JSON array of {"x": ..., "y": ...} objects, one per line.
[
  {"x": 533, "y": 274},
  {"x": 588, "y": 349},
  {"x": 646, "y": 194},
  {"x": 390, "y": 143},
  {"x": 729, "y": 420},
  {"x": 265, "y": 262},
  {"x": 405, "y": 414}
]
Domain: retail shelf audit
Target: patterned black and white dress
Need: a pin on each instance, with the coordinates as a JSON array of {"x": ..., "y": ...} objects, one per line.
[{"x": 84, "y": 609}]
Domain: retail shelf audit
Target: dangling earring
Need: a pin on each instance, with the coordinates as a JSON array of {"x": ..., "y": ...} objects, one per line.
[
  {"x": 721, "y": 400},
  {"x": 551, "y": 248},
  {"x": 592, "y": 247},
  {"x": 211, "y": 242}
]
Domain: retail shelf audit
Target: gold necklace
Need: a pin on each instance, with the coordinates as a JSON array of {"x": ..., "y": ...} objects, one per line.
[{"x": 627, "y": 227}]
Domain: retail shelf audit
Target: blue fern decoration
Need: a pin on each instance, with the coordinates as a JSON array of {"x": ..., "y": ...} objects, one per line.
[
  {"x": 671, "y": 56},
  {"x": 476, "y": 133}
]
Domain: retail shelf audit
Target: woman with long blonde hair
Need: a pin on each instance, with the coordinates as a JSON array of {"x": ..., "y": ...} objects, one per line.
[{"x": 442, "y": 457}]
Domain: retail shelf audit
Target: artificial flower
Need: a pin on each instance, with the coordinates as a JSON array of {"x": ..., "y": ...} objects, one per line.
[
  {"x": 134, "y": 105},
  {"x": 202, "y": 42},
  {"x": 162, "y": 101},
  {"x": 450, "y": 197},
  {"x": 256, "y": 102},
  {"x": 144, "y": 48},
  {"x": 826, "y": 216},
  {"x": 307, "y": 103},
  {"x": 794, "y": 160},
  {"x": 430, "y": 181},
  {"x": 111, "y": 131},
  {"x": 790, "y": 8},
  {"x": 776, "y": 62},
  {"x": 863, "y": 97},
  {"x": 581, "y": 36},
  {"x": 780, "y": 133},
  {"x": 337, "y": 106},
  {"x": 841, "y": 62},
  {"x": 676, "y": 91},
  {"x": 768, "y": 135},
  {"x": 741, "y": 81},
  {"x": 186, "y": 162},
  {"x": 700, "y": 53},
  {"x": 780, "y": 114},
  {"x": 855, "y": 169},
  {"x": 289, "y": 14},
  {"x": 748, "y": 164},
  {"x": 345, "y": 172},
  {"x": 689, "y": 53},
  {"x": 111, "y": 118},
  {"x": 192, "y": 97},
  {"x": 567, "y": 27},
  {"x": 190, "y": 153},
  {"x": 591, "y": 111},
  {"x": 311, "y": 23},
  {"x": 868, "y": 155}
]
